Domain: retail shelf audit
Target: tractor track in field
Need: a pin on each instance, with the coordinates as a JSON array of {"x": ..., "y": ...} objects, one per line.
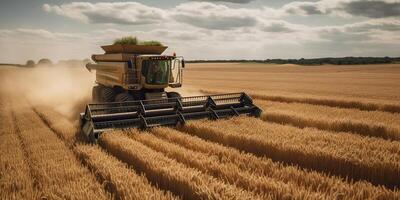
[
  {"x": 71, "y": 145},
  {"x": 25, "y": 153},
  {"x": 47, "y": 170},
  {"x": 25, "y": 182}
]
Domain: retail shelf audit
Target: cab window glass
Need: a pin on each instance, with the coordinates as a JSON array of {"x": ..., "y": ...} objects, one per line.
[{"x": 156, "y": 71}]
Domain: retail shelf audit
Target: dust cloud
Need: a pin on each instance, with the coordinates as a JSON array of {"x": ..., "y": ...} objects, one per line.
[{"x": 66, "y": 89}]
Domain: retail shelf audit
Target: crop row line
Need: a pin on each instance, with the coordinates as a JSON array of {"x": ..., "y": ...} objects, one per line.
[
  {"x": 358, "y": 127},
  {"x": 169, "y": 174},
  {"x": 228, "y": 172},
  {"x": 334, "y": 187},
  {"x": 346, "y": 155}
]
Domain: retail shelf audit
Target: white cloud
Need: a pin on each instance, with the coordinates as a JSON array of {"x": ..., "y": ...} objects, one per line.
[
  {"x": 389, "y": 25},
  {"x": 109, "y": 13},
  {"x": 199, "y": 14},
  {"x": 214, "y": 16}
]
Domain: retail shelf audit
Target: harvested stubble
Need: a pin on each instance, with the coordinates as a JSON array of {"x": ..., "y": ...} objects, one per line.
[
  {"x": 333, "y": 187},
  {"x": 167, "y": 173},
  {"x": 122, "y": 181},
  {"x": 227, "y": 172},
  {"x": 369, "y": 123},
  {"x": 340, "y": 103},
  {"x": 58, "y": 174},
  {"x": 344, "y": 154},
  {"x": 15, "y": 178},
  {"x": 58, "y": 124}
]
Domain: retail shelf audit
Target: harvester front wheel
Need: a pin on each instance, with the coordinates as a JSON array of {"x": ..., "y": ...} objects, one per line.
[
  {"x": 121, "y": 97},
  {"x": 173, "y": 95}
]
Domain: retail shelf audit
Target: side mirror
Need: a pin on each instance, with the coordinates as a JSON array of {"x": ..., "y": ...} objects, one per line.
[{"x": 183, "y": 63}]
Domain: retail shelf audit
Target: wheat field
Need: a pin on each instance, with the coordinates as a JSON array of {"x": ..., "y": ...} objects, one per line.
[{"x": 326, "y": 132}]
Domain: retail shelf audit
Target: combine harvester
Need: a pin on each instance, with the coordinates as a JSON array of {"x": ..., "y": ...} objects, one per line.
[{"x": 130, "y": 92}]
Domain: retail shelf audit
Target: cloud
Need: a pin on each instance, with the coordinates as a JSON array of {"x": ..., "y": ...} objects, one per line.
[
  {"x": 303, "y": 8},
  {"x": 132, "y": 13},
  {"x": 339, "y": 35},
  {"x": 364, "y": 8},
  {"x": 204, "y": 15},
  {"x": 214, "y": 16},
  {"x": 374, "y": 25},
  {"x": 309, "y": 8},
  {"x": 230, "y": 1},
  {"x": 377, "y": 31},
  {"x": 372, "y": 9},
  {"x": 278, "y": 27}
]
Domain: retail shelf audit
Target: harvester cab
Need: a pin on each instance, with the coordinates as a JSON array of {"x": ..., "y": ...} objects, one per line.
[{"x": 130, "y": 92}]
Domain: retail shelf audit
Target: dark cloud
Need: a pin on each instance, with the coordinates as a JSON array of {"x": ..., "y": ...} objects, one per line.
[
  {"x": 372, "y": 9},
  {"x": 306, "y": 8},
  {"x": 99, "y": 18},
  {"x": 311, "y": 9}
]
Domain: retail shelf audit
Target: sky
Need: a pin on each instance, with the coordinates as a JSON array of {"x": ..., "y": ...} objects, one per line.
[{"x": 195, "y": 29}]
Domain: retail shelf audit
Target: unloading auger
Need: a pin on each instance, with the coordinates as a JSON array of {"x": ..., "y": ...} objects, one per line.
[{"x": 130, "y": 93}]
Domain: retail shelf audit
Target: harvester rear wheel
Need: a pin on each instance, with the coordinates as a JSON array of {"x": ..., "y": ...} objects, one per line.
[
  {"x": 107, "y": 94},
  {"x": 121, "y": 97}
]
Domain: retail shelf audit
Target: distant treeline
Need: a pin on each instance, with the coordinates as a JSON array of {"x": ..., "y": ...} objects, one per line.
[
  {"x": 312, "y": 61},
  {"x": 10, "y": 64}
]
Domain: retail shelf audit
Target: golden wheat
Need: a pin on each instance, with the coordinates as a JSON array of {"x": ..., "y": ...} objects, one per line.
[
  {"x": 331, "y": 186},
  {"x": 58, "y": 123},
  {"x": 227, "y": 172},
  {"x": 337, "y": 125},
  {"x": 58, "y": 173},
  {"x": 372, "y": 123},
  {"x": 342, "y": 154},
  {"x": 15, "y": 178},
  {"x": 121, "y": 180},
  {"x": 376, "y": 84},
  {"x": 168, "y": 173},
  {"x": 339, "y": 103}
]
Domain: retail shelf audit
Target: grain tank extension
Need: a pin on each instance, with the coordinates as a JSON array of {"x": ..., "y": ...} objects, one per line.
[{"x": 130, "y": 92}]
